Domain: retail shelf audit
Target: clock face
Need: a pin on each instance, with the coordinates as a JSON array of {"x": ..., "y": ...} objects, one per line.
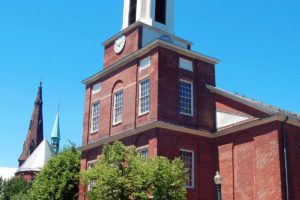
[{"x": 120, "y": 44}]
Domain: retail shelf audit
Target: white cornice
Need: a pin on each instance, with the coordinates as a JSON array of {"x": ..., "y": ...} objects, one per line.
[
  {"x": 144, "y": 128},
  {"x": 201, "y": 133},
  {"x": 145, "y": 50}
]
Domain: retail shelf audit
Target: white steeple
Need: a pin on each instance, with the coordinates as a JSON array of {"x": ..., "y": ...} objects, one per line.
[{"x": 156, "y": 13}]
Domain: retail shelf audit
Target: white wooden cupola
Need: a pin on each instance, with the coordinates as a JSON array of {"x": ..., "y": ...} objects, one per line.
[{"x": 156, "y": 13}]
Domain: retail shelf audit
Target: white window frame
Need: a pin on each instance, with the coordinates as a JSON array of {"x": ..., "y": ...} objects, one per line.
[
  {"x": 95, "y": 117},
  {"x": 90, "y": 164},
  {"x": 193, "y": 167},
  {"x": 145, "y": 63},
  {"x": 143, "y": 148},
  {"x": 96, "y": 88},
  {"x": 186, "y": 64},
  {"x": 192, "y": 97},
  {"x": 140, "y": 97},
  {"x": 114, "y": 111}
]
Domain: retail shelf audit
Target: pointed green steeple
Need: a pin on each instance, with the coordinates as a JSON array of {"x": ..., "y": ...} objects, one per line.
[{"x": 55, "y": 136}]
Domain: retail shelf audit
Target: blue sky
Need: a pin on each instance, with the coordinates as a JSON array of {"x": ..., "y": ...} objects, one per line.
[{"x": 257, "y": 42}]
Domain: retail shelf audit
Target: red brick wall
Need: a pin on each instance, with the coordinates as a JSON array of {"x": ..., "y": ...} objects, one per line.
[
  {"x": 133, "y": 38},
  {"x": 168, "y": 94},
  {"x": 250, "y": 163},
  {"x": 293, "y": 160},
  {"x": 205, "y": 153},
  {"x": 127, "y": 78},
  {"x": 159, "y": 143}
]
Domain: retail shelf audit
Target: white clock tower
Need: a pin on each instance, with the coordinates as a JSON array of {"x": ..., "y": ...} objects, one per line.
[{"x": 155, "y": 13}]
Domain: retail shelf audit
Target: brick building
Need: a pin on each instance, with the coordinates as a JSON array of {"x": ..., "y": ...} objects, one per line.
[{"x": 155, "y": 92}]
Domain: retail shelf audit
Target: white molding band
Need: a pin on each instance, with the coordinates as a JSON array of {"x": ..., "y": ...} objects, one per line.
[{"x": 202, "y": 133}]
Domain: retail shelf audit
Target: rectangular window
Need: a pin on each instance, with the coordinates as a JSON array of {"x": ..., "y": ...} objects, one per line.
[
  {"x": 185, "y": 64},
  {"x": 188, "y": 160},
  {"x": 90, "y": 165},
  {"x": 95, "y": 117},
  {"x": 132, "y": 11},
  {"x": 143, "y": 151},
  {"x": 185, "y": 97},
  {"x": 146, "y": 62},
  {"x": 144, "y": 96},
  {"x": 118, "y": 107},
  {"x": 96, "y": 88},
  {"x": 160, "y": 11}
]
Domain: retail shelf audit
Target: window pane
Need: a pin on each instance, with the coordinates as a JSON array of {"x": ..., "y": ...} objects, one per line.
[
  {"x": 188, "y": 160},
  {"x": 96, "y": 88},
  {"x": 95, "y": 117},
  {"x": 185, "y": 98},
  {"x": 118, "y": 107},
  {"x": 146, "y": 62},
  {"x": 144, "y": 96}
]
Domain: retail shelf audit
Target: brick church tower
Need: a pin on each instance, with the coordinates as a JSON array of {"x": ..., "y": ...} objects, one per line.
[
  {"x": 158, "y": 94},
  {"x": 35, "y": 132}
]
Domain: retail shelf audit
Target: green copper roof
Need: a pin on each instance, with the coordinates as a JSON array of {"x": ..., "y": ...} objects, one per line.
[{"x": 56, "y": 130}]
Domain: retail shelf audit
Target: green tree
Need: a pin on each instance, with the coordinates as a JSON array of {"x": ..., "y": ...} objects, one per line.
[
  {"x": 59, "y": 178},
  {"x": 122, "y": 174},
  {"x": 14, "y": 186}
]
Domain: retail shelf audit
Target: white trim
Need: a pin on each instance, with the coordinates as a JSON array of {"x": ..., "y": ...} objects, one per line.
[
  {"x": 142, "y": 67},
  {"x": 192, "y": 95},
  {"x": 193, "y": 167},
  {"x": 201, "y": 133},
  {"x": 114, "y": 108},
  {"x": 92, "y": 118},
  {"x": 140, "y": 97},
  {"x": 186, "y": 64},
  {"x": 97, "y": 90}
]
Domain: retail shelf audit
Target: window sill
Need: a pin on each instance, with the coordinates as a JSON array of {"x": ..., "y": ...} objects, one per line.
[
  {"x": 143, "y": 114},
  {"x": 94, "y": 132},
  {"x": 186, "y": 114},
  {"x": 190, "y": 187},
  {"x": 117, "y": 124}
]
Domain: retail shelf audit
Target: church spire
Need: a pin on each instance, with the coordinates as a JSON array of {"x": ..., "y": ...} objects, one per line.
[
  {"x": 55, "y": 136},
  {"x": 35, "y": 133}
]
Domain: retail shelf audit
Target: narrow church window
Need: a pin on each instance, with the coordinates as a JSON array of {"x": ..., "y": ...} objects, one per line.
[
  {"x": 118, "y": 107},
  {"x": 144, "y": 97},
  {"x": 187, "y": 157},
  {"x": 95, "y": 117},
  {"x": 132, "y": 11},
  {"x": 186, "y": 97},
  {"x": 160, "y": 11},
  {"x": 90, "y": 165}
]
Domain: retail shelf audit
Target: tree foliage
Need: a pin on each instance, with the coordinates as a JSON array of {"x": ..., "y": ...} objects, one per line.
[
  {"x": 59, "y": 178},
  {"x": 14, "y": 187},
  {"x": 122, "y": 174}
]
